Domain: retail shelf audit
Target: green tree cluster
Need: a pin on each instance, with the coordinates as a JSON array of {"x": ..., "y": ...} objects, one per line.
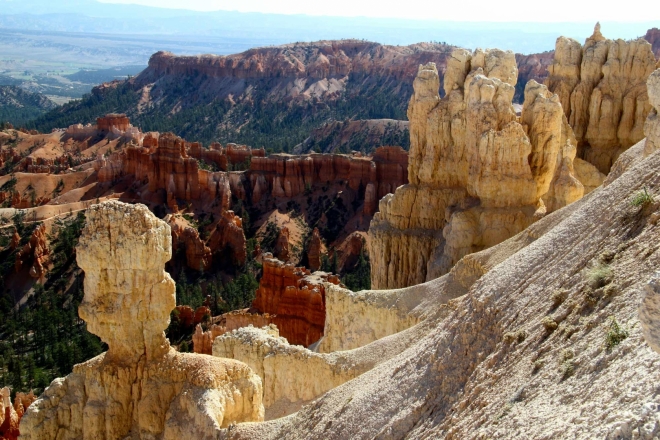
[{"x": 44, "y": 338}]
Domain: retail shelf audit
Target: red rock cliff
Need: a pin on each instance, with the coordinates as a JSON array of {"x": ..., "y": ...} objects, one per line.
[
  {"x": 164, "y": 165},
  {"x": 296, "y": 298}
]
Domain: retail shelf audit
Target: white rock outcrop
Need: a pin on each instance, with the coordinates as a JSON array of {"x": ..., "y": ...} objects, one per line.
[{"x": 292, "y": 375}]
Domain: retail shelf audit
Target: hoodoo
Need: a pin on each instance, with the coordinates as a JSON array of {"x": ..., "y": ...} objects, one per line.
[
  {"x": 602, "y": 89},
  {"x": 141, "y": 387},
  {"x": 477, "y": 175}
]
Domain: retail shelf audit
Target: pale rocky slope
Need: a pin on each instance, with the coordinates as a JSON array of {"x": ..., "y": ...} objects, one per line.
[{"x": 524, "y": 353}]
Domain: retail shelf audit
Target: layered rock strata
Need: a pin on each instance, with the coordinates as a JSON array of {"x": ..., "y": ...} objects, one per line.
[
  {"x": 225, "y": 158},
  {"x": 113, "y": 121},
  {"x": 301, "y": 71},
  {"x": 141, "y": 387},
  {"x": 602, "y": 89},
  {"x": 477, "y": 175},
  {"x": 163, "y": 162},
  {"x": 110, "y": 126}
]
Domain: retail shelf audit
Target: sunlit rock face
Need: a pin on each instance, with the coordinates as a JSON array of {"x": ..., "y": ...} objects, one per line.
[
  {"x": 478, "y": 174},
  {"x": 602, "y": 89}
]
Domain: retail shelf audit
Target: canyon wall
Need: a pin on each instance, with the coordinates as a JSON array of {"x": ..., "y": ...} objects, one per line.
[
  {"x": 477, "y": 175},
  {"x": 163, "y": 162},
  {"x": 602, "y": 88},
  {"x": 141, "y": 387},
  {"x": 170, "y": 168},
  {"x": 225, "y": 158}
]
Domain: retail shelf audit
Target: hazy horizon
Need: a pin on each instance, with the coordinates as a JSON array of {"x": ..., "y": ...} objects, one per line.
[{"x": 518, "y": 11}]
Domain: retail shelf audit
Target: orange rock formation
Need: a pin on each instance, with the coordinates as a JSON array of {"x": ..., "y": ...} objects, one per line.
[
  {"x": 112, "y": 120},
  {"x": 35, "y": 253},
  {"x": 10, "y": 416},
  {"x": 283, "y": 175},
  {"x": 295, "y": 297},
  {"x": 173, "y": 177},
  {"x": 314, "y": 251},
  {"x": 281, "y": 250}
]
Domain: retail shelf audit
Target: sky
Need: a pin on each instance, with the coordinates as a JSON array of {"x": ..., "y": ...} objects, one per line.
[{"x": 472, "y": 10}]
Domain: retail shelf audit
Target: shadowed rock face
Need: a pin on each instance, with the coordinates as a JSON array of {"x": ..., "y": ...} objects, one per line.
[
  {"x": 477, "y": 175},
  {"x": 139, "y": 388},
  {"x": 602, "y": 88}
]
